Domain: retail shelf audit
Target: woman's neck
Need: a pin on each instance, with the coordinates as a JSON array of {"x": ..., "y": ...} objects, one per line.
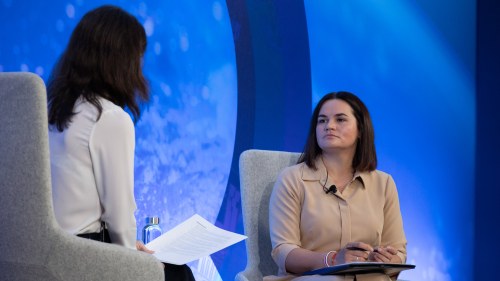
[
  {"x": 338, "y": 165},
  {"x": 339, "y": 170}
]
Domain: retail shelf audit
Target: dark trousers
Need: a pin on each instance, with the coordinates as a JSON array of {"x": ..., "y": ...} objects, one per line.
[
  {"x": 172, "y": 272},
  {"x": 178, "y": 272}
]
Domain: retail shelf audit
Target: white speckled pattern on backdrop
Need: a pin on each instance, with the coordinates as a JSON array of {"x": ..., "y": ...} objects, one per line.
[{"x": 185, "y": 138}]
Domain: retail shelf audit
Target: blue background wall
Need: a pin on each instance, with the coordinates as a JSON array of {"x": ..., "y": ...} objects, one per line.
[
  {"x": 404, "y": 61},
  {"x": 229, "y": 76},
  {"x": 487, "y": 191}
]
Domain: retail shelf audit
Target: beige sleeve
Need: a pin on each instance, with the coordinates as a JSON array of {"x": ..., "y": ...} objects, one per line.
[
  {"x": 393, "y": 233},
  {"x": 284, "y": 217}
]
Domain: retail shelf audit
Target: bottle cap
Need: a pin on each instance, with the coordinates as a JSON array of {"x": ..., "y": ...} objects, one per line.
[{"x": 152, "y": 220}]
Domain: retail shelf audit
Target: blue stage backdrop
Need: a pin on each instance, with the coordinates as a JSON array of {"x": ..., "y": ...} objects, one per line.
[
  {"x": 226, "y": 77},
  {"x": 413, "y": 64},
  {"x": 185, "y": 137}
]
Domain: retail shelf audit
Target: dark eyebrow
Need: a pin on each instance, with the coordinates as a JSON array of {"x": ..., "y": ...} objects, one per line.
[
  {"x": 336, "y": 115},
  {"x": 340, "y": 114}
]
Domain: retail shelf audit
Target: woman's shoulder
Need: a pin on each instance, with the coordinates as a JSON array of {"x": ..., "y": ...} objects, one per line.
[
  {"x": 289, "y": 180},
  {"x": 108, "y": 106},
  {"x": 111, "y": 116},
  {"x": 375, "y": 174},
  {"x": 376, "y": 178},
  {"x": 380, "y": 174},
  {"x": 113, "y": 111},
  {"x": 297, "y": 174},
  {"x": 293, "y": 171}
]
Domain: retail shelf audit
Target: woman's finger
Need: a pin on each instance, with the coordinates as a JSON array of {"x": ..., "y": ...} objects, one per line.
[
  {"x": 391, "y": 250},
  {"x": 141, "y": 247}
]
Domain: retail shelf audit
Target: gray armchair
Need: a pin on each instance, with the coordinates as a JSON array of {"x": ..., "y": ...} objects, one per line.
[
  {"x": 259, "y": 170},
  {"x": 32, "y": 245}
]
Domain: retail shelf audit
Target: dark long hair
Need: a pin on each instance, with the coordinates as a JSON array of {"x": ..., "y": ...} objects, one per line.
[
  {"x": 365, "y": 157},
  {"x": 103, "y": 59}
]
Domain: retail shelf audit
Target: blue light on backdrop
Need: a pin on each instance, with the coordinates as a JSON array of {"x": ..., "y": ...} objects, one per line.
[
  {"x": 410, "y": 61},
  {"x": 419, "y": 88},
  {"x": 185, "y": 137}
]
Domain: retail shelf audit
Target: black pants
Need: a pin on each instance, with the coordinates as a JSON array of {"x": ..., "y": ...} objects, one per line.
[
  {"x": 178, "y": 272},
  {"x": 172, "y": 272}
]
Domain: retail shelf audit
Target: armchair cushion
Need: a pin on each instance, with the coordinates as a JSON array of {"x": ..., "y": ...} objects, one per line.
[{"x": 32, "y": 245}]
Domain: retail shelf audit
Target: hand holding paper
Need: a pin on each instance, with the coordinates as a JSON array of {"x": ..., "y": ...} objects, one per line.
[{"x": 193, "y": 239}]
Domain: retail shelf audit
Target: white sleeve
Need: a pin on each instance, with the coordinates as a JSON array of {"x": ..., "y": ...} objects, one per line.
[{"x": 112, "y": 145}]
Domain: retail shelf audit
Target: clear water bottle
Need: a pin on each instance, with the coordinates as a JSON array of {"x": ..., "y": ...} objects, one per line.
[{"x": 151, "y": 230}]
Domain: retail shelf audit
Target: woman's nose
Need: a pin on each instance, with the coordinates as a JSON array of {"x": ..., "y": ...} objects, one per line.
[{"x": 330, "y": 125}]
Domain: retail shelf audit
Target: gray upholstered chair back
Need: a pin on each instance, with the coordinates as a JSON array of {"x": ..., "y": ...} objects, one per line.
[
  {"x": 259, "y": 170},
  {"x": 32, "y": 245}
]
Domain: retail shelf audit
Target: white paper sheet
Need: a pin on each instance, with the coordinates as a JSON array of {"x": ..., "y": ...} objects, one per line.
[{"x": 191, "y": 240}]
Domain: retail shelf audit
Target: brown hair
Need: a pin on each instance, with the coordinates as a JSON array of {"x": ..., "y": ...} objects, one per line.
[
  {"x": 103, "y": 59},
  {"x": 365, "y": 157}
]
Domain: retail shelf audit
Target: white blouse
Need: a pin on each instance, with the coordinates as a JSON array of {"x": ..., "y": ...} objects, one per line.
[{"x": 92, "y": 167}]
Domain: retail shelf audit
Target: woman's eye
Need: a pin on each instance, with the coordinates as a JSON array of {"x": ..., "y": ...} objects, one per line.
[
  {"x": 321, "y": 121},
  {"x": 340, "y": 120}
]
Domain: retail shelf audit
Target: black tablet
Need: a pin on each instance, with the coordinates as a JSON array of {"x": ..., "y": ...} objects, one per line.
[{"x": 361, "y": 267}]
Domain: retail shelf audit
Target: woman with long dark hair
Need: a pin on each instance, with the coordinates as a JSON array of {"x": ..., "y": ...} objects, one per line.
[
  {"x": 334, "y": 207},
  {"x": 92, "y": 137}
]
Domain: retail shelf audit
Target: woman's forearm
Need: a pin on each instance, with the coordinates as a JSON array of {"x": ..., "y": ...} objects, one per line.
[{"x": 301, "y": 260}]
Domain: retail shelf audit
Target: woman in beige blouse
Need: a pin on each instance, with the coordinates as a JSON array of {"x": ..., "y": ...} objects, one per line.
[{"x": 334, "y": 199}]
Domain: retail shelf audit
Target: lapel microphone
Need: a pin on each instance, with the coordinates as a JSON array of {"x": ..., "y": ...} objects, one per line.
[{"x": 332, "y": 189}]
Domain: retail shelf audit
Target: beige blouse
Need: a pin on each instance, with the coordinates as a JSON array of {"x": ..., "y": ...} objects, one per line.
[{"x": 302, "y": 215}]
